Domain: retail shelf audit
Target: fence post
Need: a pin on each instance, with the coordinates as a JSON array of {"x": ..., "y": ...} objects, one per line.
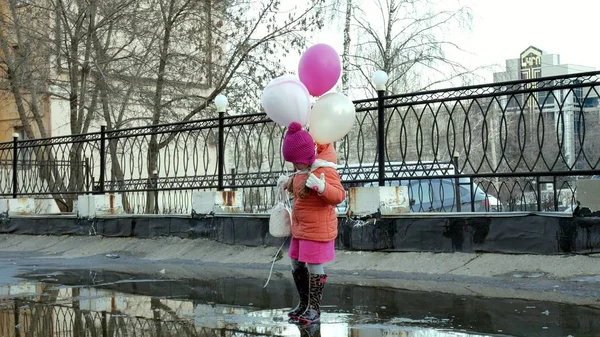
[
  {"x": 221, "y": 104},
  {"x": 15, "y": 161},
  {"x": 87, "y": 174},
  {"x": 380, "y": 79},
  {"x": 155, "y": 185},
  {"x": 16, "y": 318},
  {"x": 102, "y": 156},
  {"x": 233, "y": 178},
  {"x": 104, "y": 324},
  {"x": 457, "y": 185},
  {"x": 539, "y": 193},
  {"x": 555, "y": 194}
]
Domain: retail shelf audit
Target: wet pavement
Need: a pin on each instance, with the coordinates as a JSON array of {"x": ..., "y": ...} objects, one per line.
[{"x": 103, "y": 303}]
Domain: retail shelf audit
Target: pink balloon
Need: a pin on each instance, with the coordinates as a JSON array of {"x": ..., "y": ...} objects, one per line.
[{"x": 319, "y": 69}]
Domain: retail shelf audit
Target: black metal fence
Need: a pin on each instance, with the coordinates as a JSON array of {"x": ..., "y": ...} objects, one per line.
[{"x": 512, "y": 146}]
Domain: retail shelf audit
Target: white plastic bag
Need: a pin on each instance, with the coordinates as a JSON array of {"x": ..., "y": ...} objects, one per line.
[
  {"x": 280, "y": 223},
  {"x": 280, "y": 220}
]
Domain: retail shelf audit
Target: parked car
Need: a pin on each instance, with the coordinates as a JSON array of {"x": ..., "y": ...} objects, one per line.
[{"x": 439, "y": 195}]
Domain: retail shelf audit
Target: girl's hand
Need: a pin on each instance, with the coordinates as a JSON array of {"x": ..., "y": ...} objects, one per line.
[
  {"x": 317, "y": 184},
  {"x": 283, "y": 181}
]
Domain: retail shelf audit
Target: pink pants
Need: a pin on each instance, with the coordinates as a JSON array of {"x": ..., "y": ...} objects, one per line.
[{"x": 313, "y": 252}]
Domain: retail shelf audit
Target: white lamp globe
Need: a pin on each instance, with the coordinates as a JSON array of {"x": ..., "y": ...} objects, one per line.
[
  {"x": 380, "y": 79},
  {"x": 221, "y": 103}
]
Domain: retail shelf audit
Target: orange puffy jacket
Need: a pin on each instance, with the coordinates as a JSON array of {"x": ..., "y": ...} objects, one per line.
[{"x": 314, "y": 216}]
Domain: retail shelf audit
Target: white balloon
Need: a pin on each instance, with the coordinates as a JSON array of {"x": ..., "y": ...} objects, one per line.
[
  {"x": 331, "y": 118},
  {"x": 286, "y": 100}
]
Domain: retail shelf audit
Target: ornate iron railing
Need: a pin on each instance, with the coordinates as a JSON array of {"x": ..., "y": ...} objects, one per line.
[
  {"x": 38, "y": 319},
  {"x": 511, "y": 146}
]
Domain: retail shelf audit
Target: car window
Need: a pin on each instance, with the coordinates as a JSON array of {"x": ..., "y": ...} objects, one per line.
[
  {"x": 447, "y": 190},
  {"x": 424, "y": 191},
  {"x": 431, "y": 190},
  {"x": 387, "y": 183},
  {"x": 479, "y": 191},
  {"x": 464, "y": 192}
]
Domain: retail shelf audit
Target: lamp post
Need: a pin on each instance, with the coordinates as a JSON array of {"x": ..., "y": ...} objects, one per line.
[
  {"x": 380, "y": 79},
  {"x": 102, "y": 155},
  {"x": 15, "y": 162},
  {"x": 221, "y": 104}
]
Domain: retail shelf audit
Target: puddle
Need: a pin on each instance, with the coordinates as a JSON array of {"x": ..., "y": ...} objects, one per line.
[
  {"x": 108, "y": 304},
  {"x": 528, "y": 275},
  {"x": 589, "y": 278}
]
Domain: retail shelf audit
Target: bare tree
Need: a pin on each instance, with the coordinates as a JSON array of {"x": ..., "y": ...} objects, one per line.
[
  {"x": 83, "y": 37},
  {"x": 405, "y": 41},
  {"x": 249, "y": 31},
  {"x": 340, "y": 14},
  {"x": 347, "y": 44},
  {"x": 408, "y": 43},
  {"x": 67, "y": 63},
  {"x": 19, "y": 64},
  {"x": 25, "y": 69},
  {"x": 144, "y": 63}
]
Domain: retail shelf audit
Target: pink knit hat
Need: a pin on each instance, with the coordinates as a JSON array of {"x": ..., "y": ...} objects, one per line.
[{"x": 298, "y": 145}]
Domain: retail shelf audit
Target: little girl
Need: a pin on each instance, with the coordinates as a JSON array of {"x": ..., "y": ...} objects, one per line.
[{"x": 316, "y": 189}]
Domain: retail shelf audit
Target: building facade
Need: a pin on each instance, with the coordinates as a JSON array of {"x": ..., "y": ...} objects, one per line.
[
  {"x": 535, "y": 63},
  {"x": 564, "y": 110},
  {"x": 11, "y": 121}
]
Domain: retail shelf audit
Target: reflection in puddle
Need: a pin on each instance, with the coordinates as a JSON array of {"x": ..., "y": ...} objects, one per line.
[{"x": 109, "y": 304}]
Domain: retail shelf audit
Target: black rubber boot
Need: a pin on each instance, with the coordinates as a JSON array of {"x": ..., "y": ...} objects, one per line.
[
  {"x": 312, "y": 313},
  {"x": 301, "y": 280}
]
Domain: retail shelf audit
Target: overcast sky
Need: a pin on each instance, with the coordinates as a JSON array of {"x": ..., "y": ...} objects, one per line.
[{"x": 501, "y": 30}]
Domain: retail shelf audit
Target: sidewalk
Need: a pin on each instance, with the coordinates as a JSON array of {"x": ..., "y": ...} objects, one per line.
[{"x": 570, "y": 279}]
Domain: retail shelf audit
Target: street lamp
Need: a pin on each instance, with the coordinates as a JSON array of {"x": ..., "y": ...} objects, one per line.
[
  {"x": 221, "y": 104},
  {"x": 380, "y": 79}
]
